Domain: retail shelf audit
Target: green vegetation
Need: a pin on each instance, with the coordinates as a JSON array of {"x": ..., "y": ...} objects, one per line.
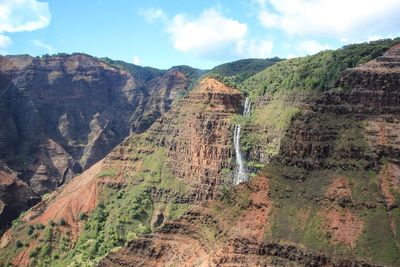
[
  {"x": 82, "y": 216},
  {"x": 234, "y": 73},
  {"x": 111, "y": 172},
  {"x": 62, "y": 222},
  {"x": 19, "y": 244},
  {"x": 145, "y": 73},
  {"x": 148, "y": 73},
  {"x": 375, "y": 242},
  {"x": 126, "y": 211},
  {"x": 317, "y": 72},
  {"x": 124, "y": 214},
  {"x": 268, "y": 125},
  {"x": 121, "y": 215}
]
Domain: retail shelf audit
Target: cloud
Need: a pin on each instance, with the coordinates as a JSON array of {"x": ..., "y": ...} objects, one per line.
[
  {"x": 136, "y": 60},
  {"x": 211, "y": 35},
  {"x": 5, "y": 41},
  {"x": 23, "y": 15},
  {"x": 309, "y": 47},
  {"x": 253, "y": 48},
  {"x": 343, "y": 19},
  {"x": 153, "y": 14},
  {"x": 206, "y": 33},
  {"x": 44, "y": 46}
]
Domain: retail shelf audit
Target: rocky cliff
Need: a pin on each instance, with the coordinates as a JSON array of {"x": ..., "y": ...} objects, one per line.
[
  {"x": 324, "y": 186},
  {"x": 329, "y": 182},
  {"x": 64, "y": 113},
  {"x": 197, "y": 136},
  {"x": 176, "y": 164}
]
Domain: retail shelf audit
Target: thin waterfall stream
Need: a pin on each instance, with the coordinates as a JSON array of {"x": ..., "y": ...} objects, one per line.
[{"x": 241, "y": 174}]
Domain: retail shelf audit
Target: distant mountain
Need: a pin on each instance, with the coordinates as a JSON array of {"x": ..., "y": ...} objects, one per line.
[
  {"x": 320, "y": 147},
  {"x": 63, "y": 113},
  {"x": 234, "y": 73}
]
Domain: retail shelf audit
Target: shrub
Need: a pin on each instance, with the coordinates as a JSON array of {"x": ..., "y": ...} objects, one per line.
[
  {"x": 62, "y": 222},
  {"x": 39, "y": 226},
  {"x": 19, "y": 244},
  {"x": 107, "y": 173},
  {"x": 31, "y": 229},
  {"x": 52, "y": 223},
  {"x": 82, "y": 216},
  {"x": 45, "y": 251},
  {"x": 48, "y": 234},
  {"x": 34, "y": 252}
]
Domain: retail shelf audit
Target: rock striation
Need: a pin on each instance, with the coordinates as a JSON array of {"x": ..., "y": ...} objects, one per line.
[
  {"x": 197, "y": 136},
  {"x": 63, "y": 113},
  {"x": 368, "y": 94}
]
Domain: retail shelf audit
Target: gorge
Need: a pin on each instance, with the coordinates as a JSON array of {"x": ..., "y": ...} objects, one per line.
[{"x": 281, "y": 163}]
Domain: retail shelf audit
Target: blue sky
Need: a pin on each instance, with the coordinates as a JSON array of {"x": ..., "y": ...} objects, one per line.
[{"x": 201, "y": 33}]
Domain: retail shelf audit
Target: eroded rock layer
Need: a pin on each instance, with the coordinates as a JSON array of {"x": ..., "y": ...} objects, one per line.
[
  {"x": 197, "y": 136},
  {"x": 61, "y": 114}
]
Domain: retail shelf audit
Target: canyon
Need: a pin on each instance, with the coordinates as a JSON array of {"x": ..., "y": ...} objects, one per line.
[
  {"x": 64, "y": 113},
  {"x": 321, "y": 158}
]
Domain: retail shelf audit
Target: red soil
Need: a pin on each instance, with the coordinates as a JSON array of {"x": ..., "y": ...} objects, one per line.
[
  {"x": 339, "y": 189},
  {"x": 254, "y": 221},
  {"x": 389, "y": 180},
  {"x": 80, "y": 195},
  {"x": 344, "y": 226}
]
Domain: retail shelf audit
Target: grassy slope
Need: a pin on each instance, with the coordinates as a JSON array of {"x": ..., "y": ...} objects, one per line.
[
  {"x": 234, "y": 73},
  {"x": 316, "y": 72},
  {"x": 124, "y": 213},
  {"x": 296, "y": 216},
  {"x": 121, "y": 215}
]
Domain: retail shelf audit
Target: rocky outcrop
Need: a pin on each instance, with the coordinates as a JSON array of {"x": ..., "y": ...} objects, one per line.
[
  {"x": 197, "y": 136},
  {"x": 15, "y": 196},
  {"x": 61, "y": 114},
  {"x": 204, "y": 238},
  {"x": 357, "y": 122}
]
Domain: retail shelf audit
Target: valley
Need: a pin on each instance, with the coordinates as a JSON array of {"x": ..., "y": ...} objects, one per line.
[{"x": 253, "y": 163}]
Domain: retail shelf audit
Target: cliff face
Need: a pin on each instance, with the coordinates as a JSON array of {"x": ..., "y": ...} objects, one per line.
[
  {"x": 331, "y": 179},
  {"x": 15, "y": 195},
  {"x": 336, "y": 172},
  {"x": 358, "y": 122},
  {"x": 324, "y": 187},
  {"x": 62, "y": 114},
  {"x": 176, "y": 164},
  {"x": 226, "y": 232},
  {"x": 197, "y": 136}
]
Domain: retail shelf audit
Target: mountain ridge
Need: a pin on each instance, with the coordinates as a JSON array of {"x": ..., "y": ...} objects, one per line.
[{"x": 324, "y": 173}]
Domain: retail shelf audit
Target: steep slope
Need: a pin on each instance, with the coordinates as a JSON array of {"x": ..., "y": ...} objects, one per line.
[
  {"x": 323, "y": 157},
  {"x": 145, "y": 181},
  {"x": 15, "y": 195},
  {"x": 234, "y": 73},
  {"x": 328, "y": 194},
  {"x": 64, "y": 113}
]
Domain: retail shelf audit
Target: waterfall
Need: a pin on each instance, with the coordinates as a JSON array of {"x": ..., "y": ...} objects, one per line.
[{"x": 241, "y": 174}]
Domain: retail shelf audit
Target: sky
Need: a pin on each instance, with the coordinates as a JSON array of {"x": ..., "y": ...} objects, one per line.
[{"x": 199, "y": 33}]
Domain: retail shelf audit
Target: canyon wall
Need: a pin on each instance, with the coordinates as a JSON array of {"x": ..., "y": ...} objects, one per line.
[{"x": 64, "y": 113}]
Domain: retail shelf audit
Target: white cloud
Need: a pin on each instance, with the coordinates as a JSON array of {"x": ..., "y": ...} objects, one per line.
[
  {"x": 309, "y": 47},
  {"x": 44, "y": 46},
  {"x": 344, "y": 19},
  {"x": 153, "y": 14},
  {"x": 5, "y": 41},
  {"x": 23, "y": 15},
  {"x": 20, "y": 16},
  {"x": 253, "y": 48},
  {"x": 210, "y": 34},
  {"x": 206, "y": 33},
  {"x": 136, "y": 60}
]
